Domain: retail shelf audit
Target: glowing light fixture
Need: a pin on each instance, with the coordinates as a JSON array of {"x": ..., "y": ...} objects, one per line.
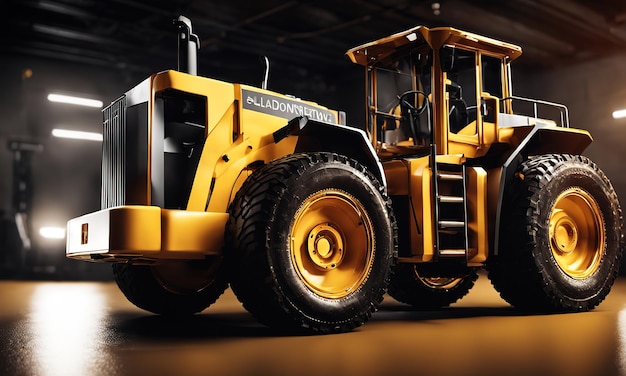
[
  {"x": 52, "y": 232},
  {"x": 60, "y": 98},
  {"x": 77, "y": 135},
  {"x": 619, "y": 114}
]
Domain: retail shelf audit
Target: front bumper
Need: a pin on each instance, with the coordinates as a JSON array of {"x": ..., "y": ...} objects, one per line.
[{"x": 145, "y": 233}]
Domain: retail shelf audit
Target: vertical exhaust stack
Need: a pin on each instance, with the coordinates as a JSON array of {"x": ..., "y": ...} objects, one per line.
[
  {"x": 188, "y": 45},
  {"x": 266, "y": 76}
]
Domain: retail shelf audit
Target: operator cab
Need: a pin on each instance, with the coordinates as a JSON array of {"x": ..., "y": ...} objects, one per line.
[
  {"x": 399, "y": 100},
  {"x": 438, "y": 86},
  {"x": 403, "y": 111}
]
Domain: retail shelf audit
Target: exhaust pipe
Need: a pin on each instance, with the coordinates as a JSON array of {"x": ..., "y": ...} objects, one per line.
[
  {"x": 188, "y": 45},
  {"x": 266, "y": 76}
]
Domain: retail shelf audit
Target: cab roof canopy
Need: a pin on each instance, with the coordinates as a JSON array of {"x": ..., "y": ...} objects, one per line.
[{"x": 384, "y": 52}]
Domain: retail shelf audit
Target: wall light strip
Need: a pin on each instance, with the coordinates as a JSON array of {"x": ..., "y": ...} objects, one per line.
[
  {"x": 60, "y": 98},
  {"x": 52, "y": 232},
  {"x": 77, "y": 135},
  {"x": 619, "y": 114}
]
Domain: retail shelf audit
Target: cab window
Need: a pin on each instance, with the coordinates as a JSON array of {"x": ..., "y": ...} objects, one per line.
[
  {"x": 492, "y": 75},
  {"x": 460, "y": 69}
]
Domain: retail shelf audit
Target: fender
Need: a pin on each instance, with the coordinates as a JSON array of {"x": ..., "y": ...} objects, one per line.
[
  {"x": 316, "y": 136},
  {"x": 540, "y": 140}
]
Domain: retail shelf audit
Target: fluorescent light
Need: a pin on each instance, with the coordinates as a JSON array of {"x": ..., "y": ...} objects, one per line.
[
  {"x": 77, "y": 135},
  {"x": 619, "y": 114},
  {"x": 52, "y": 232},
  {"x": 60, "y": 98}
]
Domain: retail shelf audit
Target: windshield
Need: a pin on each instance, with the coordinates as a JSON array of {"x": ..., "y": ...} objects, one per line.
[{"x": 399, "y": 97}]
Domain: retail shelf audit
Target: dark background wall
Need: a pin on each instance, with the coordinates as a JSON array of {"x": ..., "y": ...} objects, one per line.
[{"x": 592, "y": 91}]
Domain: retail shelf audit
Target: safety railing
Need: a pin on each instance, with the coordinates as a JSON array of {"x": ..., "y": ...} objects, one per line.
[{"x": 535, "y": 105}]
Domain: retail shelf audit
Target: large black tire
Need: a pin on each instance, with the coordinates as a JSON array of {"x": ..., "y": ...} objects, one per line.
[
  {"x": 561, "y": 241},
  {"x": 314, "y": 238},
  {"x": 176, "y": 288},
  {"x": 427, "y": 293}
]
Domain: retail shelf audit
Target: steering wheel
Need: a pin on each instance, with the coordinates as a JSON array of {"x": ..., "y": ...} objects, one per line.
[
  {"x": 404, "y": 102},
  {"x": 412, "y": 112}
]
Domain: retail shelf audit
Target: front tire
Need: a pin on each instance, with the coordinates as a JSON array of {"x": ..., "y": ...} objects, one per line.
[
  {"x": 314, "y": 238},
  {"x": 561, "y": 244},
  {"x": 175, "y": 288}
]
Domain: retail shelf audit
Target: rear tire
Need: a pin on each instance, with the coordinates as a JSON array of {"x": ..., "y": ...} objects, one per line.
[
  {"x": 314, "y": 238},
  {"x": 175, "y": 288},
  {"x": 561, "y": 242},
  {"x": 428, "y": 293}
]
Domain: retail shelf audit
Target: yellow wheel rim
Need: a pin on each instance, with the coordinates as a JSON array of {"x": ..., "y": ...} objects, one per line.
[
  {"x": 577, "y": 233},
  {"x": 332, "y": 243},
  {"x": 438, "y": 283}
]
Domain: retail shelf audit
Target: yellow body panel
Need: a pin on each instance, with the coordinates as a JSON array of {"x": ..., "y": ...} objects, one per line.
[
  {"x": 146, "y": 233},
  {"x": 478, "y": 217},
  {"x": 220, "y": 95},
  {"x": 188, "y": 231},
  {"x": 238, "y": 137},
  {"x": 220, "y": 123},
  {"x": 412, "y": 177},
  {"x": 396, "y": 172},
  {"x": 385, "y": 48},
  {"x": 254, "y": 143},
  {"x": 422, "y": 237},
  {"x": 220, "y": 135}
]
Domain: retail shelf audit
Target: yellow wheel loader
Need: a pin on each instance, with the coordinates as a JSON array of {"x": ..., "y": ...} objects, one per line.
[{"x": 208, "y": 183}]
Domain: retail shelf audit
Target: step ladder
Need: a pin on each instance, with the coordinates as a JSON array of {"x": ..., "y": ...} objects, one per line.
[{"x": 450, "y": 214}]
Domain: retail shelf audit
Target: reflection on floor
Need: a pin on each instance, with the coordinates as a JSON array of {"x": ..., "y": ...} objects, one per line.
[{"x": 88, "y": 328}]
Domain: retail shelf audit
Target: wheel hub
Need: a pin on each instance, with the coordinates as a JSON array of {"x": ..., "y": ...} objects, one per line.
[
  {"x": 563, "y": 232},
  {"x": 332, "y": 243},
  {"x": 325, "y": 246},
  {"x": 577, "y": 233}
]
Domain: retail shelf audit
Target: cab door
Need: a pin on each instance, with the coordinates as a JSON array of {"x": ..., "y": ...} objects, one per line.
[{"x": 473, "y": 88}]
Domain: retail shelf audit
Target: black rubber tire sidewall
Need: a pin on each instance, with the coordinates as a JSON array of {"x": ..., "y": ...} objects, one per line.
[
  {"x": 265, "y": 278},
  {"x": 406, "y": 286},
  {"x": 319, "y": 177},
  {"x": 525, "y": 272},
  {"x": 142, "y": 288},
  {"x": 565, "y": 176}
]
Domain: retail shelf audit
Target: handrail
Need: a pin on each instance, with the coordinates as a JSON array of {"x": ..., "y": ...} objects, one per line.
[
  {"x": 560, "y": 107},
  {"x": 387, "y": 115}
]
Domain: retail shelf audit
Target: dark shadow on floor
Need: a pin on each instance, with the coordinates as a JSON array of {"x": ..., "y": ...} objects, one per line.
[
  {"x": 399, "y": 311},
  {"x": 200, "y": 326},
  {"x": 124, "y": 327},
  {"x": 131, "y": 326}
]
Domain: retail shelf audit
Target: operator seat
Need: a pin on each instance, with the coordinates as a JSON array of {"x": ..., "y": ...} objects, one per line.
[
  {"x": 457, "y": 115},
  {"x": 457, "y": 111}
]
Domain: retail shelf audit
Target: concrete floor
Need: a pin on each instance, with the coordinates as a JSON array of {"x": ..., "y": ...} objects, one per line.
[{"x": 88, "y": 328}]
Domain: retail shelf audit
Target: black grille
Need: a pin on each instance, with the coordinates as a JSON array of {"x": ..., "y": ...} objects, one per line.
[
  {"x": 114, "y": 154},
  {"x": 128, "y": 144}
]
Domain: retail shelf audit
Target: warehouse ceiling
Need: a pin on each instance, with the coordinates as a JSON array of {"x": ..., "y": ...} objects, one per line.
[{"x": 138, "y": 35}]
